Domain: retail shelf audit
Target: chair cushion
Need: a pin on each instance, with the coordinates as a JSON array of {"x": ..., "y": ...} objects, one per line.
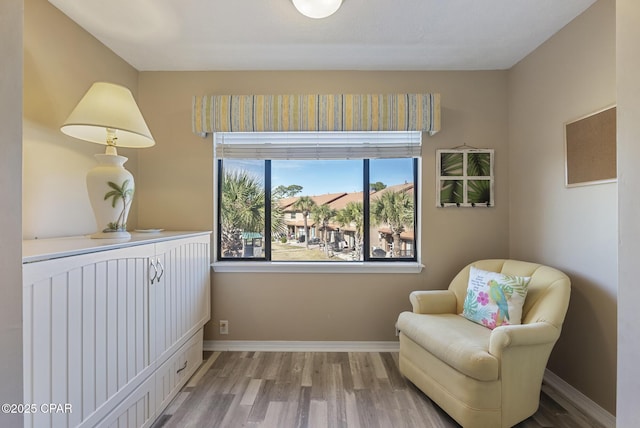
[
  {"x": 494, "y": 299},
  {"x": 453, "y": 339}
]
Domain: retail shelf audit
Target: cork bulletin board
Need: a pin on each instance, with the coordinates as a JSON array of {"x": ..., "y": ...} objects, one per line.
[{"x": 590, "y": 145}]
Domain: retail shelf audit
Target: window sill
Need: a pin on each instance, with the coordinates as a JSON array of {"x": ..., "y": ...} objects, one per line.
[{"x": 318, "y": 267}]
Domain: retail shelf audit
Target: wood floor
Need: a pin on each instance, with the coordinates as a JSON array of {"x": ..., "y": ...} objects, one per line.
[{"x": 321, "y": 389}]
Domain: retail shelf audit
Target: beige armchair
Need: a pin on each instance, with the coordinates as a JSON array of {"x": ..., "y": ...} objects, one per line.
[{"x": 482, "y": 377}]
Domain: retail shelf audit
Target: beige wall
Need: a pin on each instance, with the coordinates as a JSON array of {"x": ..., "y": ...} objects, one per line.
[
  {"x": 10, "y": 212},
  {"x": 61, "y": 61},
  {"x": 519, "y": 113},
  {"x": 628, "y": 95},
  {"x": 175, "y": 185},
  {"x": 575, "y": 229}
]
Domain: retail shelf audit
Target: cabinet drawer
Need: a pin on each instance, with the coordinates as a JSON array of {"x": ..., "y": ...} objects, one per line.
[{"x": 175, "y": 372}]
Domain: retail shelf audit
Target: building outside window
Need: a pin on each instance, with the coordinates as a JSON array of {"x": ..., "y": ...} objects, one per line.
[{"x": 317, "y": 197}]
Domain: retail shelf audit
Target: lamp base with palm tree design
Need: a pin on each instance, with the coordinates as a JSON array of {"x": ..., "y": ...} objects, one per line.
[{"x": 110, "y": 188}]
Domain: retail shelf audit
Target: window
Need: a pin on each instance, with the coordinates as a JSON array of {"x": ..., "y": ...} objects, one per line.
[{"x": 339, "y": 197}]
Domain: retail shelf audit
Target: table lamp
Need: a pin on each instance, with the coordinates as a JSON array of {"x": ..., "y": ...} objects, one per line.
[{"x": 108, "y": 114}]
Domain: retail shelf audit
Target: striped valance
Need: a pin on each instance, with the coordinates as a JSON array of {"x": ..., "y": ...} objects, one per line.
[{"x": 287, "y": 113}]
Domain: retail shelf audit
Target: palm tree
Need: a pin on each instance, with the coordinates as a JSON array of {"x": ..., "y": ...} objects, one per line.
[
  {"x": 451, "y": 165},
  {"x": 242, "y": 209},
  {"x": 321, "y": 215},
  {"x": 353, "y": 214},
  {"x": 479, "y": 164},
  {"x": 278, "y": 226},
  {"x": 396, "y": 210},
  {"x": 125, "y": 193},
  {"x": 479, "y": 191},
  {"x": 451, "y": 191},
  {"x": 304, "y": 204}
]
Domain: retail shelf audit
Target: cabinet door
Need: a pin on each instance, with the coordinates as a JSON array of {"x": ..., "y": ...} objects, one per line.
[
  {"x": 136, "y": 411},
  {"x": 86, "y": 332},
  {"x": 181, "y": 295}
]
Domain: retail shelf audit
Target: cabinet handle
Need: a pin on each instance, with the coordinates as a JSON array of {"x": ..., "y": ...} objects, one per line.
[
  {"x": 152, "y": 264},
  {"x": 161, "y": 271},
  {"x": 183, "y": 367}
]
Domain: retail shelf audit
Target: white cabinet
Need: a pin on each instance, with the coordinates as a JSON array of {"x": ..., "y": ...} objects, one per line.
[
  {"x": 102, "y": 321},
  {"x": 137, "y": 410},
  {"x": 180, "y": 302}
]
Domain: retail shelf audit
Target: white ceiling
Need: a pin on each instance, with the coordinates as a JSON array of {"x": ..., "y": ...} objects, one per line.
[{"x": 361, "y": 35}]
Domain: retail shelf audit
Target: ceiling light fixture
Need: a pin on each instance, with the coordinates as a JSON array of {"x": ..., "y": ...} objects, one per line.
[{"x": 317, "y": 8}]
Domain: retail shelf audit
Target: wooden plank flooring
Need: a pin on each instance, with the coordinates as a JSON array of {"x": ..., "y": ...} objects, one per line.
[{"x": 321, "y": 389}]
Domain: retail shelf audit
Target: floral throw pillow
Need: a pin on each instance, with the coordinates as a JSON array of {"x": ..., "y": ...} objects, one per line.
[{"x": 494, "y": 299}]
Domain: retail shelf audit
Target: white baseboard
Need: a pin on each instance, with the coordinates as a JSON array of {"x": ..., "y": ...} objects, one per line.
[
  {"x": 579, "y": 400},
  {"x": 299, "y": 346}
]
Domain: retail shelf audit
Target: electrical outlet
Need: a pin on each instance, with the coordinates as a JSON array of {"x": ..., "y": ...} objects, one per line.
[{"x": 224, "y": 327}]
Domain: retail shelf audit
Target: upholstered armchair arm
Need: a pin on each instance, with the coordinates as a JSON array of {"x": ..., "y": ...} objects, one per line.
[
  {"x": 433, "y": 302},
  {"x": 508, "y": 336}
]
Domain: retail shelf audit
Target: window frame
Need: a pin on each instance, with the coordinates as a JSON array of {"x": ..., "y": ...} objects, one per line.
[{"x": 367, "y": 265}]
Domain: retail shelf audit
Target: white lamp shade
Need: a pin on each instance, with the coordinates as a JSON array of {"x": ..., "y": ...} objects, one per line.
[
  {"x": 108, "y": 106},
  {"x": 317, "y": 8}
]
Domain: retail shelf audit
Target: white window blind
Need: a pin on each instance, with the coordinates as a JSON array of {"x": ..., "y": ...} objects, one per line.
[{"x": 317, "y": 145}]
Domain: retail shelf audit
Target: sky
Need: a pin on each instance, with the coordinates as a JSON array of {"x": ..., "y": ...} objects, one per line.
[{"x": 318, "y": 177}]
